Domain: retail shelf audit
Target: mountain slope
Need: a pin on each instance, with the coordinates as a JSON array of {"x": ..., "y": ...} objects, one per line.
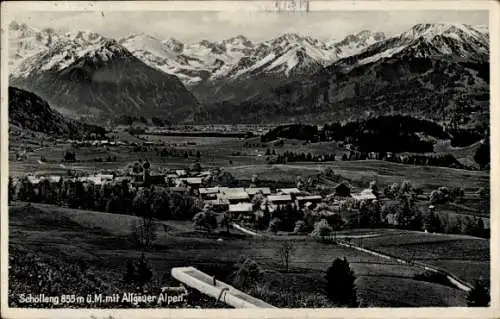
[
  {"x": 436, "y": 71},
  {"x": 27, "y": 111},
  {"x": 103, "y": 79}
]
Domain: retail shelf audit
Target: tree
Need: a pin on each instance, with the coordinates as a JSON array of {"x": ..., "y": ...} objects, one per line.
[
  {"x": 300, "y": 227},
  {"x": 145, "y": 204},
  {"x": 205, "y": 220},
  {"x": 69, "y": 156},
  {"x": 274, "y": 225},
  {"x": 321, "y": 229},
  {"x": 432, "y": 223},
  {"x": 341, "y": 287},
  {"x": 374, "y": 187},
  {"x": 482, "y": 156},
  {"x": 479, "y": 296},
  {"x": 225, "y": 180},
  {"x": 336, "y": 222},
  {"x": 435, "y": 197},
  {"x": 246, "y": 274},
  {"x": 226, "y": 222},
  {"x": 285, "y": 252},
  {"x": 257, "y": 201},
  {"x": 11, "y": 190}
]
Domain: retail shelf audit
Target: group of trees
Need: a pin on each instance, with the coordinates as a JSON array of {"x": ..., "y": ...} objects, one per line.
[
  {"x": 287, "y": 157},
  {"x": 117, "y": 198},
  {"x": 443, "y": 160},
  {"x": 444, "y": 194},
  {"x": 175, "y": 152},
  {"x": 393, "y": 133},
  {"x": 110, "y": 158}
]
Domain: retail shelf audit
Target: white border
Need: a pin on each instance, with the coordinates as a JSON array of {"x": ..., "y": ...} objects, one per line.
[{"x": 494, "y": 27}]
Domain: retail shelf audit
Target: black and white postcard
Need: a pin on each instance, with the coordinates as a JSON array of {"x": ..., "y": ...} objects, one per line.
[{"x": 173, "y": 157}]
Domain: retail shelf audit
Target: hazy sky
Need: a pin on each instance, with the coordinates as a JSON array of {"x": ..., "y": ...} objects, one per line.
[{"x": 193, "y": 26}]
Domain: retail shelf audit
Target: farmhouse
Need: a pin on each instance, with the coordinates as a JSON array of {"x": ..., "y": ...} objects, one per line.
[
  {"x": 194, "y": 182},
  {"x": 280, "y": 199},
  {"x": 208, "y": 193},
  {"x": 234, "y": 195},
  {"x": 342, "y": 190},
  {"x": 240, "y": 209},
  {"x": 290, "y": 191},
  {"x": 252, "y": 191},
  {"x": 312, "y": 199},
  {"x": 365, "y": 195},
  {"x": 180, "y": 190},
  {"x": 181, "y": 172}
]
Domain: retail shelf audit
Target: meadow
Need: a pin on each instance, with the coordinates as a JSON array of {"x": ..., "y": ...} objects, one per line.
[{"x": 102, "y": 241}]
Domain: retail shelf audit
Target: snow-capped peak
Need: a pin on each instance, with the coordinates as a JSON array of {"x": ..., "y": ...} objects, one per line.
[
  {"x": 174, "y": 45},
  {"x": 428, "y": 31},
  {"x": 84, "y": 37}
]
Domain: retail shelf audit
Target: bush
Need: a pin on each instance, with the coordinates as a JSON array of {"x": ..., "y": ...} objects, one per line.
[
  {"x": 321, "y": 229},
  {"x": 205, "y": 220},
  {"x": 247, "y": 273},
  {"x": 341, "y": 287},
  {"x": 138, "y": 272},
  {"x": 300, "y": 227},
  {"x": 479, "y": 296},
  {"x": 274, "y": 225}
]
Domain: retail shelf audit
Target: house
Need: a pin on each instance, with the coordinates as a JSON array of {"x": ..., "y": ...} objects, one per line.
[
  {"x": 179, "y": 190},
  {"x": 217, "y": 204},
  {"x": 365, "y": 195},
  {"x": 311, "y": 199},
  {"x": 208, "y": 192},
  {"x": 233, "y": 195},
  {"x": 241, "y": 210},
  {"x": 194, "y": 182},
  {"x": 280, "y": 199},
  {"x": 181, "y": 172},
  {"x": 252, "y": 191},
  {"x": 342, "y": 190},
  {"x": 290, "y": 191},
  {"x": 155, "y": 179},
  {"x": 205, "y": 174},
  {"x": 33, "y": 179},
  {"x": 107, "y": 177},
  {"x": 53, "y": 178}
]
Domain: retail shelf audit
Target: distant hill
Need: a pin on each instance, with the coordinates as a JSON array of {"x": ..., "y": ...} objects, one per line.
[{"x": 27, "y": 111}]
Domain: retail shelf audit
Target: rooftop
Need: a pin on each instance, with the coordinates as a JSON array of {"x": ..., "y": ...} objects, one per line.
[
  {"x": 255, "y": 190},
  {"x": 289, "y": 190},
  {"x": 275, "y": 198},
  {"x": 241, "y": 207}
]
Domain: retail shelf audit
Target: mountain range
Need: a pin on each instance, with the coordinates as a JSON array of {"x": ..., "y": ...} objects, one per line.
[
  {"x": 90, "y": 76},
  {"x": 290, "y": 77}
]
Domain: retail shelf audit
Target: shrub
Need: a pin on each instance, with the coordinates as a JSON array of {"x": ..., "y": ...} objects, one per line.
[
  {"x": 247, "y": 273},
  {"x": 321, "y": 229},
  {"x": 341, "y": 287},
  {"x": 205, "y": 220},
  {"x": 300, "y": 227},
  {"x": 285, "y": 252},
  {"x": 274, "y": 225},
  {"x": 479, "y": 296}
]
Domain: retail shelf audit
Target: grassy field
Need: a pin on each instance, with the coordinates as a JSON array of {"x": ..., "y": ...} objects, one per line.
[
  {"x": 465, "y": 256},
  {"x": 362, "y": 172},
  {"x": 103, "y": 242}
]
